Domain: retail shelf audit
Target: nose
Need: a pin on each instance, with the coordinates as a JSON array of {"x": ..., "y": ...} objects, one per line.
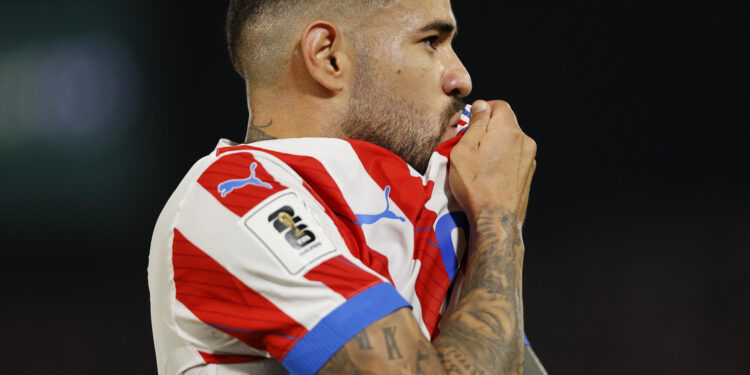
[{"x": 456, "y": 81}]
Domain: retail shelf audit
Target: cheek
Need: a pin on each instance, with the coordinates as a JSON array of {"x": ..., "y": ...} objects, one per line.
[
  {"x": 413, "y": 75},
  {"x": 385, "y": 48},
  {"x": 420, "y": 73},
  {"x": 424, "y": 66},
  {"x": 424, "y": 85}
]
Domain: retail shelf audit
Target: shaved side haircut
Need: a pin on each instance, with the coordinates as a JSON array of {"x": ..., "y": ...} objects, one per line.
[{"x": 260, "y": 32}]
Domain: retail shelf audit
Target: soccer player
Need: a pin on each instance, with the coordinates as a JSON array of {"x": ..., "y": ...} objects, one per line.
[{"x": 354, "y": 232}]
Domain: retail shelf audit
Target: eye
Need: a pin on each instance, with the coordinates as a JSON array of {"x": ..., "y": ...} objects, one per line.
[{"x": 431, "y": 41}]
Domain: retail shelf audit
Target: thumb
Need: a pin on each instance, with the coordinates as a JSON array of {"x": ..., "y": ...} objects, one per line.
[{"x": 480, "y": 117}]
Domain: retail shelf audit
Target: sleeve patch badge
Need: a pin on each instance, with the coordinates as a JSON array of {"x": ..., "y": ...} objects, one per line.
[{"x": 288, "y": 231}]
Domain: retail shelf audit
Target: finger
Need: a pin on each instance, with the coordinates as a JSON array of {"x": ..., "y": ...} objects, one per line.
[
  {"x": 502, "y": 115},
  {"x": 480, "y": 117}
]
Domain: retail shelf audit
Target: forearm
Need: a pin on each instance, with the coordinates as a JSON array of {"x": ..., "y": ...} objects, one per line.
[{"x": 484, "y": 332}]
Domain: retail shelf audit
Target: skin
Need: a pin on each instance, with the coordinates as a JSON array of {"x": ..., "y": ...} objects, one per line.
[
  {"x": 483, "y": 334},
  {"x": 490, "y": 175},
  {"x": 400, "y": 88}
]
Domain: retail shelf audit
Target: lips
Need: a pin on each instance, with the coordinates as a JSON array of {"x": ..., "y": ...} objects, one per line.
[
  {"x": 454, "y": 120},
  {"x": 451, "y": 118},
  {"x": 451, "y": 130}
]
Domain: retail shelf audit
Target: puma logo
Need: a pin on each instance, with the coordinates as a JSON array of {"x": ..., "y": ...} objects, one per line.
[
  {"x": 387, "y": 214},
  {"x": 226, "y": 187}
]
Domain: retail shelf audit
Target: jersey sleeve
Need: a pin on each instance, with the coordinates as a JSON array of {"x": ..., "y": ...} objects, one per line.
[{"x": 256, "y": 258}]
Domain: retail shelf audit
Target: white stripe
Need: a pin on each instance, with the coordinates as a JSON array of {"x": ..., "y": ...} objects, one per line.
[
  {"x": 288, "y": 177},
  {"x": 173, "y": 354},
  {"x": 216, "y": 230},
  {"x": 209, "y": 339},
  {"x": 364, "y": 196},
  {"x": 392, "y": 238}
]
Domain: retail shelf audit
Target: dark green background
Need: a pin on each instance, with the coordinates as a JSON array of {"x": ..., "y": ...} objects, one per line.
[{"x": 637, "y": 232}]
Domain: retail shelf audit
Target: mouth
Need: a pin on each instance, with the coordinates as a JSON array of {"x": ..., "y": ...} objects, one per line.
[
  {"x": 453, "y": 124},
  {"x": 452, "y": 117},
  {"x": 451, "y": 129}
]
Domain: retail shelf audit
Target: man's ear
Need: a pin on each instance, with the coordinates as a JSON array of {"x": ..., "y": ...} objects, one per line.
[{"x": 325, "y": 56}]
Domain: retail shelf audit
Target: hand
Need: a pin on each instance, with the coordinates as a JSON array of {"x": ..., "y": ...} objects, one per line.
[{"x": 493, "y": 164}]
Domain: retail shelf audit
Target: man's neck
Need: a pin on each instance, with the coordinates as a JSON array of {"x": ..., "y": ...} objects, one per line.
[
  {"x": 290, "y": 117},
  {"x": 258, "y": 132}
]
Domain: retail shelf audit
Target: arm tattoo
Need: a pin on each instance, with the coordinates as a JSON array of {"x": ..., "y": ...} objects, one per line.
[
  {"x": 390, "y": 342},
  {"x": 422, "y": 358},
  {"x": 402, "y": 350},
  {"x": 256, "y": 132},
  {"x": 363, "y": 341},
  {"x": 484, "y": 332},
  {"x": 341, "y": 364},
  {"x": 482, "y": 335}
]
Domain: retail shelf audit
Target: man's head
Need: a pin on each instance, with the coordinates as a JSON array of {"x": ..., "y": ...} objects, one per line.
[{"x": 382, "y": 71}]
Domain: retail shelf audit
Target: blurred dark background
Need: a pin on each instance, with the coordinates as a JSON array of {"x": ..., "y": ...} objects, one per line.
[{"x": 637, "y": 235}]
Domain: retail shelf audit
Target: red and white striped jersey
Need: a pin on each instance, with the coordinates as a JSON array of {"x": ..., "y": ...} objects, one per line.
[{"x": 279, "y": 252}]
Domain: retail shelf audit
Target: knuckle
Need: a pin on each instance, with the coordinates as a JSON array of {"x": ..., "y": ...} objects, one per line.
[
  {"x": 531, "y": 146},
  {"x": 501, "y": 106},
  {"x": 516, "y": 133},
  {"x": 532, "y": 143}
]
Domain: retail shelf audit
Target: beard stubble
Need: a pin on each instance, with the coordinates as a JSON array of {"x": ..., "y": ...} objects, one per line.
[{"x": 377, "y": 116}]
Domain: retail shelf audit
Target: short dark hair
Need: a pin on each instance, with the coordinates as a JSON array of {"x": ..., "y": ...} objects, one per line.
[
  {"x": 245, "y": 15},
  {"x": 239, "y": 13}
]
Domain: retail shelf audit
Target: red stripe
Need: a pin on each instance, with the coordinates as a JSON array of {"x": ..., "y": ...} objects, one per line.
[
  {"x": 322, "y": 186},
  {"x": 229, "y": 358},
  {"x": 237, "y": 167},
  {"x": 408, "y": 193},
  {"x": 446, "y": 147},
  {"x": 221, "y": 300},
  {"x": 436, "y": 333},
  {"x": 343, "y": 277}
]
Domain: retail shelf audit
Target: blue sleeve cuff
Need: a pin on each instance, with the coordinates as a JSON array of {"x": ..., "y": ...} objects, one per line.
[{"x": 338, "y": 327}]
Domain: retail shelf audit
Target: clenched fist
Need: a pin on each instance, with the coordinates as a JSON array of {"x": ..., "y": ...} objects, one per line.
[{"x": 493, "y": 164}]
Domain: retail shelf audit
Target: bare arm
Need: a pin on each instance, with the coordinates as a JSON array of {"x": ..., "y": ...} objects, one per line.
[
  {"x": 392, "y": 345},
  {"x": 483, "y": 334}
]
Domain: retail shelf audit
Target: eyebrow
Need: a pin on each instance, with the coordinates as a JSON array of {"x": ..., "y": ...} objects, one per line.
[{"x": 441, "y": 26}]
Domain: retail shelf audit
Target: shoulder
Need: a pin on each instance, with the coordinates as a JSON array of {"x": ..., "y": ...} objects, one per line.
[
  {"x": 231, "y": 183},
  {"x": 241, "y": 178}
]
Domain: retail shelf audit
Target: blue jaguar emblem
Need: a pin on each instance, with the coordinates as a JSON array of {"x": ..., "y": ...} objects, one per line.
[
  {"x": 226, "y": 187},
  {"x": 387, "y": 214}
]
